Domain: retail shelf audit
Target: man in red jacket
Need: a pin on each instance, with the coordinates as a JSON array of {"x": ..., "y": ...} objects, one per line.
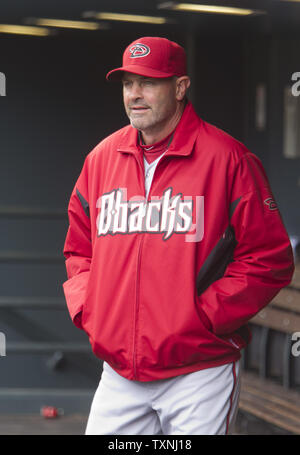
[{"x": 175, "y": 242}]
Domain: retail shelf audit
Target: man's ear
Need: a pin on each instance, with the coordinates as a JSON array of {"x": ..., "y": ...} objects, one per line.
[{"x": 182, "y": 84}]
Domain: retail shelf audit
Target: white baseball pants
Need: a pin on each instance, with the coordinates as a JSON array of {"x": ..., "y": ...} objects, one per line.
[{"x": 201, "y": 403}]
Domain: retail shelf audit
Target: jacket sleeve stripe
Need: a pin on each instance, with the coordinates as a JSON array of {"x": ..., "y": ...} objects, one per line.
[
  {"x": 215, "y": 264},
  {"x": 84, "y": 203},
  {"x": 233, "y": 206}
]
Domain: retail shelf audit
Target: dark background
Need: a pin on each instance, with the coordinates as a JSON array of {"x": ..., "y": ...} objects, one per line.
[{"x": 57, "y": 107}]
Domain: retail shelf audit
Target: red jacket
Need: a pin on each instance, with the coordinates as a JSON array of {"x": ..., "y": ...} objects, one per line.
[{"x": 166, "y": 287}]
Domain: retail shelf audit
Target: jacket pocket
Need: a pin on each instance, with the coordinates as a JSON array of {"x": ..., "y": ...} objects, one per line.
[
  {"x": 215, "y": 264},
  {"x": 204, "y": 318}
]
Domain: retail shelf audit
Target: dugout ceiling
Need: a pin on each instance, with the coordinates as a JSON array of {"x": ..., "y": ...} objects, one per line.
[{"x": 280, "y": 15}]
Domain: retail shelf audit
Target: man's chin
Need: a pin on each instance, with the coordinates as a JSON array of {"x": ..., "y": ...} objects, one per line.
[{"x": 138, "y": 125}]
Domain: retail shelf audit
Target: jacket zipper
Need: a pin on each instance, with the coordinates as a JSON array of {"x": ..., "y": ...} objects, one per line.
[
  {"x": 138, "y": 276},
  {"x": 137, "y": 306}
]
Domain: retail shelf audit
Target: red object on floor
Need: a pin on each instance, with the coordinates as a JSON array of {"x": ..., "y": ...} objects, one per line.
[{"x": 49, "y": 412}]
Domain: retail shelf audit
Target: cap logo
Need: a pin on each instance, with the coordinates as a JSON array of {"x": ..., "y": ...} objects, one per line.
[{"x": 139, "y": 50}]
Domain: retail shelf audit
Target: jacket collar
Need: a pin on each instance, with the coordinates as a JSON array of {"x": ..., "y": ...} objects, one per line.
[{"x": 183, "y": 141}]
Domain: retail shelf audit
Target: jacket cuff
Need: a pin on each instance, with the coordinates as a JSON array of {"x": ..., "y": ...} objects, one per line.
[
  {"x": 75, "y": 290},
  {"x": 77, "y": 320}
]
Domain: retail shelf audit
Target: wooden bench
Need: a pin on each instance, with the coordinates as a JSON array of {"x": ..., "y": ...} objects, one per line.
[
  {"x": 270, "y": 402},
  {"x": 262, "y": 397}
]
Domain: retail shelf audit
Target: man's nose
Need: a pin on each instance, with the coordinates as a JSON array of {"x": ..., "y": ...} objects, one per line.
[{"x": 136, "y": 91}]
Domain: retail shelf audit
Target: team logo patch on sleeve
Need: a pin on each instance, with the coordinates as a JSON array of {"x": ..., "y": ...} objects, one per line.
[
  {"x": 139, "y": 50},
  {"x": 271, "y": 203}
]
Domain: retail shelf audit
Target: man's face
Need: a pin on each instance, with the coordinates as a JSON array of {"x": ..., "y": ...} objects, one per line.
[{"x": 150, "y": 103}]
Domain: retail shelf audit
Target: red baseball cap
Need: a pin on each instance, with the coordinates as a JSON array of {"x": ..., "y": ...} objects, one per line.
[{"x": 152, "y": 57}]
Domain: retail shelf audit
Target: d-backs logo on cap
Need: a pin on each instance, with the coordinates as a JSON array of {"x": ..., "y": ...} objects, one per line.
[{"x": 139, "y": 50}]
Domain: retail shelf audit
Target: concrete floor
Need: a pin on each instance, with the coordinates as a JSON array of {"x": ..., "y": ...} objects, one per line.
[
  {"x": 75, "y": 425},
  {"x": 38, "y": 425}
]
